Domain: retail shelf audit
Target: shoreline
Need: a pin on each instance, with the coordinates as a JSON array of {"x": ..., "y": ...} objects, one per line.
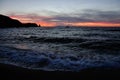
[{"x": 13, "y": 72}]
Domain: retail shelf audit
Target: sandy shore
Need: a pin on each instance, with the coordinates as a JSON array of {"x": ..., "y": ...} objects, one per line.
[{"x": 13, "y": 72}]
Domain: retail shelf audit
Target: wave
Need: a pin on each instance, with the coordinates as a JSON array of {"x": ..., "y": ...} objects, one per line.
[
  {"x": 103, "y": 44},
  {"x": 60, "y": 49},
  {"x": 52, "y": 39},
  {"x": 49, "y": 61}
]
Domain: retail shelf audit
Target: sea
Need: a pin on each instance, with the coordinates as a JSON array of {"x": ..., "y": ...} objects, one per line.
[{"x": 60, "y": 48}]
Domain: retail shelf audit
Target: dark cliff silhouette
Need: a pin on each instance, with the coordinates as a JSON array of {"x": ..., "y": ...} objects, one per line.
[{"x": 7, "y": 22}]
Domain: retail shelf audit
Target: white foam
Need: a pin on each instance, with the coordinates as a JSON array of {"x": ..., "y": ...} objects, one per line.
[{"x": 37, "y": 60}]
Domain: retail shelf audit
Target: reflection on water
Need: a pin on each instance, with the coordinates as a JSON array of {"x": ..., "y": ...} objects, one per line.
[{"x": 21, "y": 46}]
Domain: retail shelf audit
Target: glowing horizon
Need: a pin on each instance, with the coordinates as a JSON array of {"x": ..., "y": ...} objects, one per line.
[{"x": 53, "y": 24}]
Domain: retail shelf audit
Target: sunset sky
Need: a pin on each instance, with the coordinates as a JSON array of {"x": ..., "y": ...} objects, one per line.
[{"x": 64, "y": 12}]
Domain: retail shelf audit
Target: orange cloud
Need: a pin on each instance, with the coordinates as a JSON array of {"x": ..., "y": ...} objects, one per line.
[
  {"x": 22, "y": 19},
  {"x": 95, "y": 18},
  {"x": 95, "y": 24},
  {"x": 47, "y": 24},
  {"x": 44, "y": 23},
  {"x": 41, "y": 22}
]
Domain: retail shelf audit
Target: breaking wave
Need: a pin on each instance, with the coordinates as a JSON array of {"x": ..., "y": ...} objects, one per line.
[{"x": 49, "y": 61}]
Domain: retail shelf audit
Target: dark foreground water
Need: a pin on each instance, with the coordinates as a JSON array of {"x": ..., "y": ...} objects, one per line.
[{"x": 62, "y": 49}]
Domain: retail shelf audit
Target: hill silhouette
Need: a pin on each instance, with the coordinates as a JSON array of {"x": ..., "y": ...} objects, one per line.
[{"x": 7, "y": 22}]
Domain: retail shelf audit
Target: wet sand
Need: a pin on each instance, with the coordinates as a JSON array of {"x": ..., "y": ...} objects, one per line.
[{"x": 13, "y": 72}]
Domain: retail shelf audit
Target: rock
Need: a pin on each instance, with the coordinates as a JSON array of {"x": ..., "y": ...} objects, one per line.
[{"x": 7, "y": 22}]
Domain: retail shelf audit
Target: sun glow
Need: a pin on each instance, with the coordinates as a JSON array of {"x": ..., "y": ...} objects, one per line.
[
  {"x": 96, "y": 24},
  {"x": 47, "y": 24},
  {"x": 52, "y": 24},
  {"x": 21, "y": 19},
  {"x": 29, "y": 20}
]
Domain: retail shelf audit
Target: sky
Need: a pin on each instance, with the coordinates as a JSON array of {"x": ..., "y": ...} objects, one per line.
[{"x": 50, "y": 13}]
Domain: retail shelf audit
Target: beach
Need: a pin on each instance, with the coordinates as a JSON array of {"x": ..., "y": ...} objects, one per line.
[{"x": 14, "y": 72}]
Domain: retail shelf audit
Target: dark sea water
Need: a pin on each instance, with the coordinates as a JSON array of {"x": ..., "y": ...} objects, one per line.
[{"x": 60, "y": 48}]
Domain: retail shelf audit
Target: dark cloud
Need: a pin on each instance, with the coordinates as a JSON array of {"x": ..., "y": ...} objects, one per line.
[
  {"x": 90, "y": 16},
  {"x": 75, "y": 17},
  {"x": 105, "y": 16}
]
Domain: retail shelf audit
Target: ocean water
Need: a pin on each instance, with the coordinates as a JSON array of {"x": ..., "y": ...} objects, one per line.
[{"x": 60, "y": 48}]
